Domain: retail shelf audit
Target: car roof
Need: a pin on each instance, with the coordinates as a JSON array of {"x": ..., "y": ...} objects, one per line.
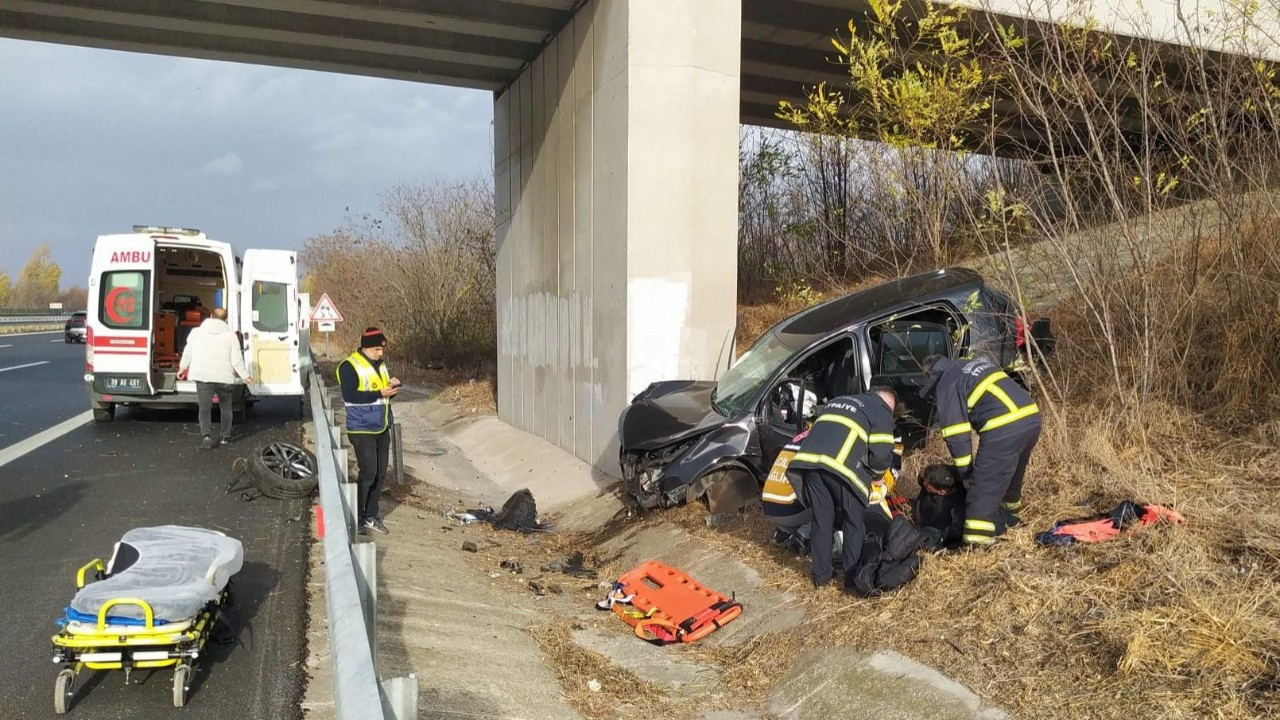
[{"x": 823, "y": 319}]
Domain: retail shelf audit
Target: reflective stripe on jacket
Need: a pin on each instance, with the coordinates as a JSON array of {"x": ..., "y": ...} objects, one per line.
[
  {"x": 852, "y": 439},
  {"x": 977, "y": 395},
  {"x": 373, "y": 417}
]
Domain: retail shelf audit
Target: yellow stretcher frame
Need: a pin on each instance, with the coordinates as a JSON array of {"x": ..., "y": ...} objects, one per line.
[{"x": 182, "y": 640}]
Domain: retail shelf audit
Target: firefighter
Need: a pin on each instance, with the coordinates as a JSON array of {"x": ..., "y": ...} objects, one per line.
[
  {"x": 975, "y": 395},
  {"x": 841, "y": 461}
]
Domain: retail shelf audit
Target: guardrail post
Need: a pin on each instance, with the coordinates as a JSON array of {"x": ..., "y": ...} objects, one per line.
[
  {"x": 350, "y": 507},
  {"x": 400, "y": 697},
  {"x": 366, "y": 557},
  {"x": 340, "y": 457},
  {"x": 398, "y": 449}
]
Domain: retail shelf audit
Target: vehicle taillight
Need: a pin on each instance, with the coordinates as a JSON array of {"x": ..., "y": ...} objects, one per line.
[{"x": 88, "y": 349}]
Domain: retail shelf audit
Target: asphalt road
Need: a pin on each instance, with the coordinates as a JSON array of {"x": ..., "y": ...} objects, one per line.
[{"x": 70, "y": 500}]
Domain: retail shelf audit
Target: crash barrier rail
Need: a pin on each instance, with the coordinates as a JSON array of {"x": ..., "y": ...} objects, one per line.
[
  {"x": 33, "y": 319},
  {"x": 351, "y": 590}
]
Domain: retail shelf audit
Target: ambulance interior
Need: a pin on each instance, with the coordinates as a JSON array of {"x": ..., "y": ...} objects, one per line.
[{"x": 190, "y": 283}]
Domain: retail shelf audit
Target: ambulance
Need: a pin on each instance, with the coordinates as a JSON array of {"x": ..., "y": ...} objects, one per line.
[{"x": 149, "y": 289}]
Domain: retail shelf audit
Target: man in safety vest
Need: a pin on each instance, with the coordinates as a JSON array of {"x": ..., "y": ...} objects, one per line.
[
  {"x": 975, "y": 395},
  {"x": 367, "y": 389},
  {"x": 847, "y": 450}
]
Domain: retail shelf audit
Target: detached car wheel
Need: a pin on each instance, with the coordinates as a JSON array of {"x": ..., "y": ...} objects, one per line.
[{"x": 284, "y": 471}]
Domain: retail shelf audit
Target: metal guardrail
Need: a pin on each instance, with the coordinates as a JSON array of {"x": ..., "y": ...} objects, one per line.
[
  {"x": 351, "y": 595},
  {"x": 33, "y": 319}
]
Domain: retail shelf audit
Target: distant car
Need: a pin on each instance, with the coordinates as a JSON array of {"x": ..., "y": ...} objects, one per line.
[
  {"x": 73, "y": 331},
  {"x": 681, "y": 440}
]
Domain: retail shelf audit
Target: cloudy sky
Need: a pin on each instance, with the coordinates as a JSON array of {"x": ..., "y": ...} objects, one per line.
[{"x": 95, "y": 141}]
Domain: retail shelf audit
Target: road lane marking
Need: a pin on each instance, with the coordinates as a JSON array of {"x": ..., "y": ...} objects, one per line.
[
  {"x": 44, "y": 437},
  {"x": 5, "y": 346},
  {"x": 61, "y": 341},
  {"x": 24, "y": 334},
  {"x": 19, "y": 367}
]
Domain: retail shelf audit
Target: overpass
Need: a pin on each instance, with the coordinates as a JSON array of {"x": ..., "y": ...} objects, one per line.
[{"x": 616, "y": 149}]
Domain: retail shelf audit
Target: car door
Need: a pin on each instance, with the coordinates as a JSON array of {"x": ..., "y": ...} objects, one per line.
[
  {"x": 269, "y": 321},
  {"x": 898, "y": 349},
  {"x": 828, "y": 371}
]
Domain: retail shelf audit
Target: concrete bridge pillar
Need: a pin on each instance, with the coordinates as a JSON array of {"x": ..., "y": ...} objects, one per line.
[{"x": 616, "y": 166}]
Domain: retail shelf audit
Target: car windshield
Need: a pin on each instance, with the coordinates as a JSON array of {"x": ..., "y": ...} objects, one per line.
[{"x": 740, "y": 382}]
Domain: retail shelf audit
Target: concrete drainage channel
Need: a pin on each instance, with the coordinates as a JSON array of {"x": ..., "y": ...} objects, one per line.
[{"x": 350, "y": 586}]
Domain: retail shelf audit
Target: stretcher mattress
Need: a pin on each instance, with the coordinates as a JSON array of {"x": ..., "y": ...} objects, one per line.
[{"x": 177, "y": 571}]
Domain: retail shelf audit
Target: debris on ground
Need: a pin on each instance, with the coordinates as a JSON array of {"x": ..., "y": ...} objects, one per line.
[
  {"x": 1125, "y": 517},
  {"x": 519, "y": 512},
  {"x": 574, "y": 566},
  {"x": 465, "y": 518},
  {"x": 513, "y": 565},
  {"x": 538, "y": 588},
  {"x": 470, "y": 546}
]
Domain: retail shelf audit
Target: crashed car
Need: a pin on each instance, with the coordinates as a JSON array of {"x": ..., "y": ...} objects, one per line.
[{"x": 682, "y": 440}]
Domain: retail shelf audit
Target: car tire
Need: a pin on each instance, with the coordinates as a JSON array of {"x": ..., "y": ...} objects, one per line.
[
  {"x": 68, "y": 339},
  {"x": 726, "y": 490},
  {"x": 284, "y": 471},
  {"x": 104, "y": 414}
]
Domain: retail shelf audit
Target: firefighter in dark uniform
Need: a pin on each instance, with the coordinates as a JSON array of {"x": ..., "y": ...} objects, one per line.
[
  {"x": 975, "y": 395},
  {"x": 841, "y": 461}
]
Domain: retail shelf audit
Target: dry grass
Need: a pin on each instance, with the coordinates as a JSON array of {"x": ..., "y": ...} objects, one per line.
[{"x": 622, "y": 692}]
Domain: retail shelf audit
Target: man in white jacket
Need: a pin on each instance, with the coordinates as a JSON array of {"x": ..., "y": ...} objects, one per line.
[{"x": 212, "y": 358}]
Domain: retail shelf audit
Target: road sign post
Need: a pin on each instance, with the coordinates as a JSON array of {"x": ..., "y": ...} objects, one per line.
[{"x": 326, "y": 317}]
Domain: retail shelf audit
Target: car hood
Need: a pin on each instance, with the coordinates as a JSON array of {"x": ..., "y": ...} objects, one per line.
[{"x": 668, "y": 412}]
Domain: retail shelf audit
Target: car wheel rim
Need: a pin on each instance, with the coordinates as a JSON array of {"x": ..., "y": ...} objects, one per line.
[{"x": 287, "y": 461}]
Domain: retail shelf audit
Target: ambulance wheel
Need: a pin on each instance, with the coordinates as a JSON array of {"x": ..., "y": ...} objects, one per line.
[
  {"x": 181, "y": 676},
  {"x": 62, "y": 691},
  {"x": 105, "y": 413}
]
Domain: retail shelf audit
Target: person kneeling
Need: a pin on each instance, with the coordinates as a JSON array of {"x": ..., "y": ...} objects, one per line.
[{"x": 938, "y": 510}]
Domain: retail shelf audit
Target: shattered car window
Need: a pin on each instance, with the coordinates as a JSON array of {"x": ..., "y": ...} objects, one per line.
[{"x": 740, "y": 382}]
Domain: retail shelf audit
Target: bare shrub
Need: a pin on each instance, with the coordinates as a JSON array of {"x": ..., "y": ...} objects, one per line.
[{"x": 422, "y": 268}]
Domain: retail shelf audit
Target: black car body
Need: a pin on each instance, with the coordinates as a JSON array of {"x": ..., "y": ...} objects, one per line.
[
  {"x": 73, "y": 330},
  {"x": 683, "y": 439}
]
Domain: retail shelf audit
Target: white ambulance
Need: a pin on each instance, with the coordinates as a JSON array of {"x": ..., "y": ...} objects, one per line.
[{"x": 150, "y": 288}]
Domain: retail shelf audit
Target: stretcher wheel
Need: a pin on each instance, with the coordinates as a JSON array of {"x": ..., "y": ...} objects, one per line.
[
  {"x": 62, "y": 691},
  {"x": 181, "y": 675}
]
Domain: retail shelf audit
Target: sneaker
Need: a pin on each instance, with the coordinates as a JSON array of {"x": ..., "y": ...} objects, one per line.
[
  {"x": 375, "y": 525},
  {"x": 206, "y": 443},
  {"x": 226, "y": 440}
]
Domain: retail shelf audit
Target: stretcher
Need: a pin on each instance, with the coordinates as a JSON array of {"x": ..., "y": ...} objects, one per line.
[
  {"x": 663, "y": 605},
  {"x": 153, "y": 605}
]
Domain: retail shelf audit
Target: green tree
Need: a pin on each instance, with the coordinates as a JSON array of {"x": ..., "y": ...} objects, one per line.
[
  {"x": 39, "y": 280},
  {"x": 916, "y": 85}
]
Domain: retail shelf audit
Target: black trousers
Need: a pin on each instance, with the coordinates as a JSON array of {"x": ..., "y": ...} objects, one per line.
[
  {"x": 226, "y": 398},
  {"x": 372, "y": 454},
  {"x": 998, "y": 471},
  {"x": 833, "y": 502}
]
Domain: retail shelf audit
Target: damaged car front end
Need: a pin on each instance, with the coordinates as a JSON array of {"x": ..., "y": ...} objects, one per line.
[{"x": 674, "y": 439}]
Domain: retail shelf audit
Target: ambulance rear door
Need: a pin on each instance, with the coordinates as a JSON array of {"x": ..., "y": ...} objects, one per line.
[
  {"x": 118, "y": 334},
  {"x": 269, "y": 321}
]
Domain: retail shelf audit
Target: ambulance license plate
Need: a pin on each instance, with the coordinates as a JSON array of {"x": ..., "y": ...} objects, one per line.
[{"x": 123, "y": 384}]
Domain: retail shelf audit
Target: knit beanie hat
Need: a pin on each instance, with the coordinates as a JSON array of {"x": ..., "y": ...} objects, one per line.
[{"x": 372, "y": 337}]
